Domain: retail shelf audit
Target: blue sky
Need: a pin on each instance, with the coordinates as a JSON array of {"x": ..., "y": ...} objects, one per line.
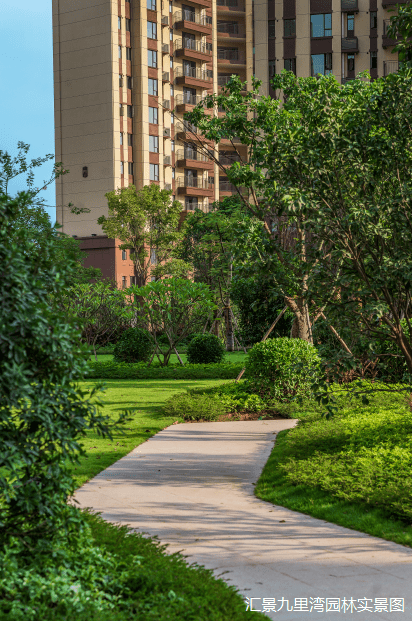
[{"x": 26, "y": 77}]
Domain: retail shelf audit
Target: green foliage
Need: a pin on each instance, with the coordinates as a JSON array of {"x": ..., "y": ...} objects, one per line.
[
  {"x": 144, "y": 220},
  {"x": 133, "y": 346},
  {"x": 194, "y": 407},
  {"x": 112, "y": 575},
  {"x": 176, "y": 307},
  {"x": 258, "y": 303},
  {"x": 205, "y": 349},
  {"x": 43, "y": 413},
  {"x": 400, "y": 29},
  {"x": 273, "y": 367},
  {"x": 121, "y": 370}
]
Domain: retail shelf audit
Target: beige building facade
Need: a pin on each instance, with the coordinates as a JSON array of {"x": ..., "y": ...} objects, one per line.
[{"x": 125, "y": 73}]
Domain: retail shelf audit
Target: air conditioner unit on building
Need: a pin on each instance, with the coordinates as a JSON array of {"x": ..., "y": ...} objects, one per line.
[
  {"x": 165, "y": 48},
  {"x": 165, "y": 76},
  {"x": 167, "y": 160},
  {"x": 165, "y": 20},
  {"x": 168, "y": 186},
  {"x": 166, "y": 132},
  {"x": 166, "y": 104}
]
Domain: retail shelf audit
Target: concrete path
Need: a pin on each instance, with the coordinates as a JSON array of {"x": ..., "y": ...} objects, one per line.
[{"x": 192, "y": 486}]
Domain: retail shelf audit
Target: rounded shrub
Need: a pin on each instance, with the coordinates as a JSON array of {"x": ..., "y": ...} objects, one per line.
[
  {"x": 133, "y": 346},
  {"x": 282, "y": 367},
  {"x": 205, "y": 349}
]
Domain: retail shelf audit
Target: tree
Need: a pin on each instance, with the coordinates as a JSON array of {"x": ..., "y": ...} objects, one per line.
[
  {"x": 146, "y": 221},
  {"x": 99, "y": 310},
  {"x": 43, "y": 411},
  {"x": 400, "y": 29},
  {"x": 175, "y": 306}
]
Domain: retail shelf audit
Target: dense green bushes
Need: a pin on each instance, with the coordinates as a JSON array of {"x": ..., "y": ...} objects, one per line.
[
  {"x": 119, "y": 370},
  {"x": 282, "y": 367},
  {"x": 205, "y": 349},
  {"x": 133, "y": 346}
]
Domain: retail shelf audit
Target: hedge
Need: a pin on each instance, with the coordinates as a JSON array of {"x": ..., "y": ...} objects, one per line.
[{"x": 122, "y": 370}]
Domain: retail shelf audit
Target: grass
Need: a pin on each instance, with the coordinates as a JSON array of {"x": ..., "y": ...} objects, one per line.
[
  {"x": 235, "y": 356},
  {"x": 319, "y": 468},
  {"x": 145, "y": 398}
]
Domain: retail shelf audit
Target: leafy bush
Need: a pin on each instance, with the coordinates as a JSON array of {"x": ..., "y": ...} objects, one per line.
[
  {"x": 121, "y": 370},
  {"x": 205, "y": 349},
  {"x": 194, "y": 407},
  {"x": 282, "y": 367},
  {"x": 133, "y": 346}
]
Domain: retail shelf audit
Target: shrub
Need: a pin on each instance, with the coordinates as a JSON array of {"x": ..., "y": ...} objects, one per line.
[
  {"x": 194, "y": 407},
  {"x": 205, "y": 349},
  {"x": 121, "y": 370},
  {"x": 134, "y": 346},
  {"x": 282, "y": 368}
]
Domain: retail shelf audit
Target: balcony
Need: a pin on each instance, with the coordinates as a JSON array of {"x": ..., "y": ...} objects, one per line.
[
  {"x": 185, "y": 103},
  {"x": 390, "y": 3},
  {"x": 390, "y": 66},
  {"x": 226, "y": 188},
  {"x": 230, "y": 30},
  {"x": 231, "y": 7},
  {"x": 350, "y": 45},
  {"x": 230, "y": 57},
  {"x": 227, "y": 159},
  {"x": 349, "y": 6},
  {"x": 190, "y": 22},
  {"x": 194, "y": 50},
  {"x": 191, "y": 158},
  {"x": 386, "y": 39},
  {"x": 223, "y": 80},
  {"x": 199, "y": 78},
  {"x": 194, "y": 186}
]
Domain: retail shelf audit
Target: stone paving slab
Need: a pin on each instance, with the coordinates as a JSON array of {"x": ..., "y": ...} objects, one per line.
[{"x": 192, "y": 486}]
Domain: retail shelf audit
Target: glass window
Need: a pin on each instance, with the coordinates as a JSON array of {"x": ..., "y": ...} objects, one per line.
[
  {"x": 130, "y": 111},
  {"x": 321, "y": 64},
  {"x": 321, "y": 25},
  {"x": 272, "y": 29},
  {"x": 151, "y": 30},
  {"x": 120, "y": 80},
  {"x": 374, "y": 60},
  {"x": 124, "y": 255},
  {"x": 121, "y": 138},
  {"x": 374, "y": 19},
  {"x": 130, "y": 167},
  {"x": 171, "y": 62},
  {"x": 171, "y": 34},
  {"x": 122, "y": 168},
  {"x": 191, "y": 203},
  {"x": 152, "y": 58},
  {"x": 172, "y": 144},
  {"x": 172, "y": 90},
  {"x": 127, "y": 25},
  {"x": 128, "y": 53},
  {"x": 153, "y": 258},
  {"x": 154, "y": 144},
  {"x": 153, "y": 87},
  {"x": 170, "y": 7},
  {"x": 351, "y": 62},
  {"x": 272, "y": 68},
  {"x": 132, "y": 280},
  {"x": 153, "y": 115},
  {"x": 173, "y": 173},
  {"x": 154, "y": 172},
  {"x": 151, "y": 5},
  {"x": 351, "y": 22},
  {"x": 290, "y": 65},
  {"x": 120, "y": 51},
  {"x": 119, "y": 23},
  {"x": 124, "y": 283},
  {"x": 129, "y": 140},
  {"x": 289, "y": 27},
  {"x": 129, "y": 81}
]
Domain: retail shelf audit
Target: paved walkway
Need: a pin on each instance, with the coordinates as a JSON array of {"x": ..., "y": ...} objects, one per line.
[{"x": 192, "y": 486}]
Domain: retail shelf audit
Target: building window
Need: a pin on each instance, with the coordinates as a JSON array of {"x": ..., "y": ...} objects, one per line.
[
  {"x": 120, "y": 51},
  {"x": 289, "y": 28},
  {"x": 129, "y": 140},
  {"x": 130, "y": 168},
  {"x": 191, "y": 203},
  {"x": 321, "y": 25},
  {"x": 120, "y": 80},
  {"x": 154, "y": 172},
  {"x": 272, "y": 29},
  {"x": 272, "y": 69},
  {"x": 153, "y": 115},
  {"x": 152, "y": 278},
  {"x": 172, "y": 145},
  {"x": 132, "y": 280},
  {"x": 151, "y": 30},
  {"x": 171, "y": 35},
  {"x": 153, "y": 87},
  {"x": 152, "y": 58},
  {"x": 374, "y": 60},
  {"x": 151, "y": 5},
  {"x": 374, "y": 19},
  {"x": 127, "y": 25},
  {"x": 124, "y": 255},
  {"x": 172, "y": 90},
  {"x": 173, "y": 173},
  {"x": 129, "y": 81},
  {"x": 128, "y": 53},
  {"x": 121, "y": 138},
  {"x": 170, "y": 7},
  {"x": 172, "y": 118},
  {"x": 130, "y": 111},
  {"x": 290, "y": 65},
  {"x": 153, "y": 258},
  {"x": 171, "y": 62},
  {"x": 124, "y": 282},
  {"x": 121, "y": 110},
  {"x": 350, "y": 24},
  {"x": 154, "y": 144},
  {"x": 351, "y": 62},
  {"x": 122, "y": 168},
  {"x": 119, "y": 23},
  {"x": 321, "y": 64}
]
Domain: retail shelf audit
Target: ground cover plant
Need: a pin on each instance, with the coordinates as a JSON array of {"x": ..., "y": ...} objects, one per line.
[
  {"x": 122, "y": 370},
  {"x": 353, "y": 469}
]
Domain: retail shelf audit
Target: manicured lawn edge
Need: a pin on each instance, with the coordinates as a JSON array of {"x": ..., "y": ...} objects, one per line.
[
  {"x": 112, "y": 370},
  {"x": 273, "y": 486}
]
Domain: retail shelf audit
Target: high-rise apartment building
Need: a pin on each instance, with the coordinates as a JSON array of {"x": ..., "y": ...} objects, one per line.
[{"x": 121, "y": 68}]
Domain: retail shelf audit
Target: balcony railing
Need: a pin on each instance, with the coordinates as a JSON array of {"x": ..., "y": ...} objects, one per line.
[
  {"x": 390, "y": 66},
  {"x": 196, "y": 46},
  {"x": 231, "y": 55},
  {"x": 191, "y": 154},
  {"x": 195, "y": 182},
  {"x": 229, "y": 28},
  {"x": 227, "y": 160},
  {"x": 190, "y": 16},
  {"x": 226, "y": 186},
  {"x": 191, "y": 100},
  {"x": 350, "y": 44},
  {"x": 186, "y": 128},
  {"x": 222, "y": 80},
  {"x": 346, "y": 80},
  {"x": 232, "y": 3},
  {"x": 192, "y": 72},
  {"x": 349, "y": 5}
]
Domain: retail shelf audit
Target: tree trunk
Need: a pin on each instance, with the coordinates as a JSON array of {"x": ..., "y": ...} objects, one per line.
[
  {"x": 301, "y": 327},
  {"x": 230, "y": 341}
]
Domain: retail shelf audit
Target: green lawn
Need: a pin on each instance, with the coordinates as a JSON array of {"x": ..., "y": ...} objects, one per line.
[
  {"x": 145, "y": 398},
  {"x": 235, "y": 356}
]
